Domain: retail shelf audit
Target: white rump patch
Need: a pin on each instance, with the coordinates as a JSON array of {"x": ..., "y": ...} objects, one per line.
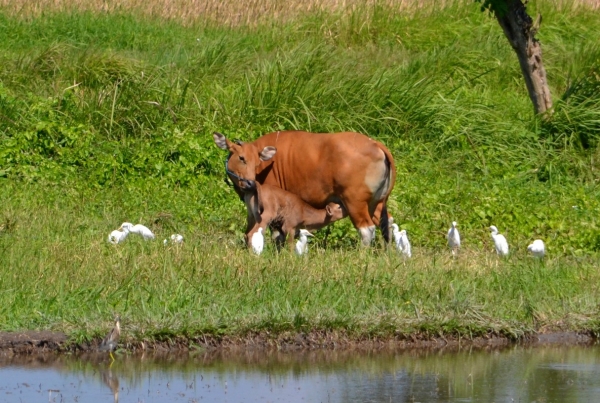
[{"x": 377, "y": 177}]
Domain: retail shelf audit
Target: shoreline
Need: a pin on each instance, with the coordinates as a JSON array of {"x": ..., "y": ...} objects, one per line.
[{"x": 36, "y": 342}]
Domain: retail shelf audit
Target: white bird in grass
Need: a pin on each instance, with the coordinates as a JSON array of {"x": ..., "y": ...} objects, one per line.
[
  {"x": 257, "y": 241},
  {"x": 117, "y": 236},
  {"x": 137, "y": 229},
  {"x": 453, "y": 238},
  {"x": 302, "y": 243},
  {"x": 499, "y": 242},
  {"x": 537, "y": 248},
  {"x": 401, "y": 240},
  {"x": 177, "y": 238}
]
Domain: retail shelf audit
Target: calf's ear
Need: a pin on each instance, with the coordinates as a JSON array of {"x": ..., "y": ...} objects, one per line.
[
  {"x": 267, "y": 153},
  {"x": 220, "y": 141},
  {"x": 328, "y": 210}
]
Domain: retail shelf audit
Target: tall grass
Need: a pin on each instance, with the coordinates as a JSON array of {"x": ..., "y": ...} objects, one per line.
[
  {"x": 117, "y": 98},
  {"x": 107, "y": 117}
]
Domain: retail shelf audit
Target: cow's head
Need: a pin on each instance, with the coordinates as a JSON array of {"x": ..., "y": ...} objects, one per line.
[{"x": 244, "y": 159}]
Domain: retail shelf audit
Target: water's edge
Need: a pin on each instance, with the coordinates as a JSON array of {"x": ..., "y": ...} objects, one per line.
[{"x": 31, "y": 342}]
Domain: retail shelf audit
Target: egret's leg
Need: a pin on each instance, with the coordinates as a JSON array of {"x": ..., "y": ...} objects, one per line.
[{"x": 111, "y": 355}]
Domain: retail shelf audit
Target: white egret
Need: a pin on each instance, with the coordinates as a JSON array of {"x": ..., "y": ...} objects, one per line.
[
  {"x": 138, "y": 229},
  {"x": 537, "y": 248},
  {"x": 258, "y": 241},
  {"x": 302, "y": 243},
  {"x": 453, "y": 238},
  {"x": 177, "y": 238},
  {"x": 117, "y": 236},
  {"x": 499, "y": 242},
  {"x": 401, "y": 241}
]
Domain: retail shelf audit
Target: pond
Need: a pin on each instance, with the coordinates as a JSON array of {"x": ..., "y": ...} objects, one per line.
[{"x": 513, "y": 374}]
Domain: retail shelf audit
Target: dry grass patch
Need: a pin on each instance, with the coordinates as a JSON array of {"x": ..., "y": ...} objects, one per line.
[{"x": 234, "y": 12}]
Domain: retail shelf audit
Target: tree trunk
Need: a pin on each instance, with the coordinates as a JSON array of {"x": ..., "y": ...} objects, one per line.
[{"x": 520, "y": 31}]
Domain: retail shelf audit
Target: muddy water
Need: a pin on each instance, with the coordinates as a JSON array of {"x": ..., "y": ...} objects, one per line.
[{"x": 516, "y": 374}]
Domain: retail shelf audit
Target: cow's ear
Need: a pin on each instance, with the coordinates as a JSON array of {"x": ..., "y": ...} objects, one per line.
[
  {"x": 220, "y": 141},
  {"x": 267, "y": 153}
]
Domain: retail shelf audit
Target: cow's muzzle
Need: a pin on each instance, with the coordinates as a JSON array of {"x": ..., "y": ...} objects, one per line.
[{"x": 247, "y": 185}]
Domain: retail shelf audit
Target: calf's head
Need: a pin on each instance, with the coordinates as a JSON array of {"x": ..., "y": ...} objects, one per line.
[
  {"x": 335, "y": 211},
  {"x": 244, "y": 159}
]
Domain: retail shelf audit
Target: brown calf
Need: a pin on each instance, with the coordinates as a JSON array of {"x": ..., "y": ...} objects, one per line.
[{"x": 285, "y": 212}]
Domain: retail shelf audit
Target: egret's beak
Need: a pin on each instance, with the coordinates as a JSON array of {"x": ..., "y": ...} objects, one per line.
[{"x": 309, "y": 234}]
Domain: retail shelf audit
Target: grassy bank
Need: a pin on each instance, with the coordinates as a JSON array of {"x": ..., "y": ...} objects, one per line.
[
  {"x": 60, "y": 274},
  {"x": 107, "y": 117}
]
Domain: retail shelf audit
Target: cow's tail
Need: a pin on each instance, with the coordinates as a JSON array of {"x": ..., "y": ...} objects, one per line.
[{"x": 384, "y": 220}]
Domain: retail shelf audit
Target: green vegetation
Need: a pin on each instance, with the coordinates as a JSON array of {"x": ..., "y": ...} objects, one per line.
[{"x": 107, "y": 117}]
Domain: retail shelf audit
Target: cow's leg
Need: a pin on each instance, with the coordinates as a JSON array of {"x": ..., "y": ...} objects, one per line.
[
  {"x": 367, "y": 235},
  {"x": 382, "y": 219},
  {"x": 360, "y": 217}
]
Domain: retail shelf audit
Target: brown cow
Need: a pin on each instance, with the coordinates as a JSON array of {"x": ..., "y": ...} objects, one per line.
[
  {"x": 284, "y": 211},
  {"x": 347, "y": 168}
]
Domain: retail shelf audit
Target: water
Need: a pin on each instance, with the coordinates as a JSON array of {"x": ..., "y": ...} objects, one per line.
[{"x": 516, "y": 374}]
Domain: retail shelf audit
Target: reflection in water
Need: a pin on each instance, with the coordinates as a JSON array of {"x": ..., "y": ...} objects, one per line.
[
  {"x": 111, "y": 381},
  {"x": 548, "y": 374}
]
